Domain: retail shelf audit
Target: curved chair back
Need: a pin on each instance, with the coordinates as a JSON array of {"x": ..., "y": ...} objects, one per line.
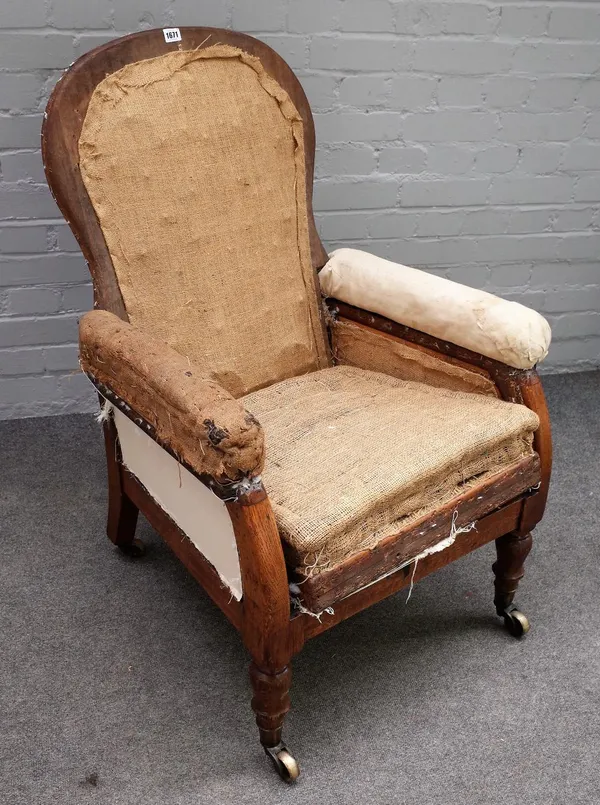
[{"x": 185, "y": 171}]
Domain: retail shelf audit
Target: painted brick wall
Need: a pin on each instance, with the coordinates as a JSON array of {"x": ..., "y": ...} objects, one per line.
[{"x": 463, "y": 138}]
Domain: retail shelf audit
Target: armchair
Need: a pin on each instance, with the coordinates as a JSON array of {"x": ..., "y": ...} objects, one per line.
[{"x": 304, "y": 461}]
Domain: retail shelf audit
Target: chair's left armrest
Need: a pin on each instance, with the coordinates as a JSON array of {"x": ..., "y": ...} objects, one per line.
[
  {"x": 191, "y": 415},
  {"x": 504, "y": 331}
]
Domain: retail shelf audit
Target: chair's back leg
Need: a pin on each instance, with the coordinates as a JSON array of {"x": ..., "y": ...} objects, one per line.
[{"x": 122, "y": 513}]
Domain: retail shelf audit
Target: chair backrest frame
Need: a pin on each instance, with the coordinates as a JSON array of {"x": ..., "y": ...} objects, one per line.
[{"x": 65, "y": 115}]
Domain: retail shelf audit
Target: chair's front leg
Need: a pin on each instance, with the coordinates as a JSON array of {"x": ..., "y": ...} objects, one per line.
[
  {"x": 271, "y": 702},
  {"x": 512, "y": 550},
  {"x": 266, "y": 621}
]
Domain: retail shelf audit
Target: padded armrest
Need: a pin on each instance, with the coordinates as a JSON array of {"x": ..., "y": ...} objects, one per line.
[
  {"x": 195, "y": 417},
  {"x": 505, "y": 331}
]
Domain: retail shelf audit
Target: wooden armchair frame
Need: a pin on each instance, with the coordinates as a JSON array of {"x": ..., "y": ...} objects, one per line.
[{"x": 505, "y": 508}]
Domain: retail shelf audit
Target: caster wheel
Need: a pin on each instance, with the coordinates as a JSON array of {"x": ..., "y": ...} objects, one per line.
[
  {"x": 134, "y": 549},
  {"x": 286, "y": 766},
  {"x": 516, "y": 623}
]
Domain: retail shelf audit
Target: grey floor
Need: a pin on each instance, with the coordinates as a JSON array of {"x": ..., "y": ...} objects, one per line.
[{"x": 121, "y": 683}]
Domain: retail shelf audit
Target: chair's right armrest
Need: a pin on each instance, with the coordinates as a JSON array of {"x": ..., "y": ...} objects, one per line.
[
  {"x": 194, "y": 417},
  {"x": 506, "y": 332}
]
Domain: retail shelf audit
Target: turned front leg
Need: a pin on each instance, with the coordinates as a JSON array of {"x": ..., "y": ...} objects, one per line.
[
  {"x": 270, "y": 702},
  {"x": 511, "y": 550},
  {"x": 508, "y": 568},
  {"x": 266, "y": 625}
]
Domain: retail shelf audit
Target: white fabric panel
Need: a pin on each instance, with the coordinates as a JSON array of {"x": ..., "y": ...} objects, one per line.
[
  {"x": 506, "y": 331},
  {"x": 196, "y": 510}
]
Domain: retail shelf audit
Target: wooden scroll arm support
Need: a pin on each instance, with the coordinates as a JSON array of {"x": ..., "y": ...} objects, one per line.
[
  {"x": 531, "y": 394},
  {"x": 265, "y": 625},
  {"x": 266, "y": 597}
]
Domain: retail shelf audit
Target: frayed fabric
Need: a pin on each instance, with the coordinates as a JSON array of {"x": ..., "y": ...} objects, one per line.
[
  {"x": 299, "y": 606},
  {"x": 104, "y": 413},
  {"x": 439, "y": 546},
  {"x": 356, "y": 456},
  {"x": 192, "y": 415},
  {"x": 442, "y": 545}
]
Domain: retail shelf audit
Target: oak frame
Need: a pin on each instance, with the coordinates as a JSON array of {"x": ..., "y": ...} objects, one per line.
[{"x": 272, "y": 631}]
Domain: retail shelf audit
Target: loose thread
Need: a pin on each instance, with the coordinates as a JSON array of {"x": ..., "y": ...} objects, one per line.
[
  {"x": 308, "y": 569},
  {"x": 412, "y": 581},
  {"x": 318, "y": 615},
  {"x": 104, "y": 413},
  {"x": 440, "y": 546}
]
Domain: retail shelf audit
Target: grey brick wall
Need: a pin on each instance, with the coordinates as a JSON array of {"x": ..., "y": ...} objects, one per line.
[{"x": 461, "y": 137}]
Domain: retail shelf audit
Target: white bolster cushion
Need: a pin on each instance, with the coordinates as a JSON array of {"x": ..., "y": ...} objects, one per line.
[{"x": 506, "y": 331}]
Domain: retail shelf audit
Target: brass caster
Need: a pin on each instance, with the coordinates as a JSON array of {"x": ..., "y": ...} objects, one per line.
[
  {"x": 286, "y": 766},
  {"x": 515, "y": 622},
  {"x": 135, "y": 549}
]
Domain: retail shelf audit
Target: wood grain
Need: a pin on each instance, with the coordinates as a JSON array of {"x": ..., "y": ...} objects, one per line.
[
  {"x": 533, "y": 397},
  {"x": 465, "y": 357},
  {"x": 266, "y": 598},
  {"x": 512, "y": 551},
  {"x": 419, "y": 347},
  {"x": 270, "y": 702}
]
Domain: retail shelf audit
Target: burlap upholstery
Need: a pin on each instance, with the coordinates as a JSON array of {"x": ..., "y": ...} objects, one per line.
[
  {"x": 194, "y": 416},
  {"x": 353, "y": 455},
  {"x": 356, "y": 345},
  {"x": 194, "y": 163}
]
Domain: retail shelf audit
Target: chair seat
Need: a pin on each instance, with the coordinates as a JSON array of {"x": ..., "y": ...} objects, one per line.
[{"x": 353, "y": 456}]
